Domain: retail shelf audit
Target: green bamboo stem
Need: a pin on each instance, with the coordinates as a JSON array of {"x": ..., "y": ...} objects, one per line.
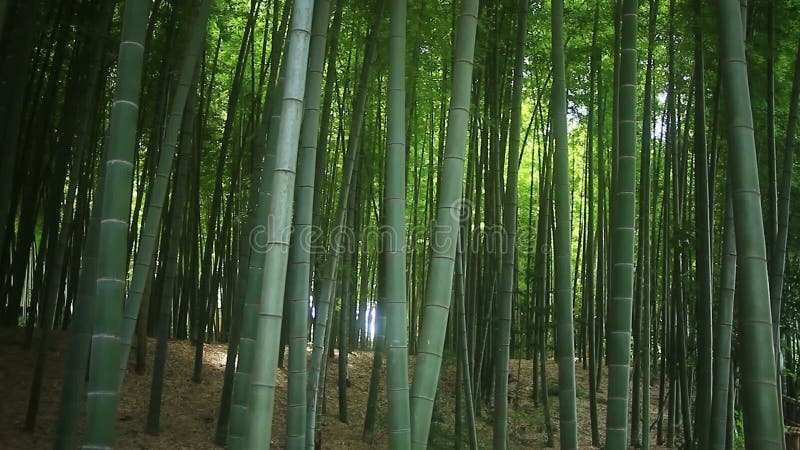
[
  {"x": 241, "y": 382},
  {"x": 647, "y": 283},
  {"x": 399, "y": 420},
  {"x": 463, "y": 349},
  {"x": 718, "y": 421},
  {"x": 443, "y": 242},
  {"x": 299, "y": 252},
  {"x": 145, "y": 256},
  {"x": 761, "y": 405},
  {"x": 103, "y": 389},
  {"x": 704, "y": 226},
  {"x": 565, "y": 331},
  {"x": 620, "y": 302},
  {"x": 263, "y": 381},
  {"x": 80, "y": 332},
  {"x": 379, "y": 348},
  {"x": 327, "y": 277},
  {"x": 177, "y": 209}
]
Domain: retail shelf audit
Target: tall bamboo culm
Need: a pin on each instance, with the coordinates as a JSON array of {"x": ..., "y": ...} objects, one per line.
[
  {"x": 394, "y": 236},
  {"x": 143, "y": 268},
  {"x": 562, "y": 237},
  {"x": 103, "y": 388},
  {"x": 443, "y": 245},
  {"x": 263, "y": 381},
  {"x": 623, "y": 216},
  {"x": 762, "y": 416},
  {"x": 297, "y": 289}
]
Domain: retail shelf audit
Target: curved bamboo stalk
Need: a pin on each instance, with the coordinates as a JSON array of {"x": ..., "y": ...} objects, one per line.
[
  {"x": 443, "y": 241},
  {"x": 327, "y": 277},
  {"x": 175, "y": 233},
  {"x": 145, "y": 256}
]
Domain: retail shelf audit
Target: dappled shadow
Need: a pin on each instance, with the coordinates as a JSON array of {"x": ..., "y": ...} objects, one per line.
[{"x": 188, "y": 412}]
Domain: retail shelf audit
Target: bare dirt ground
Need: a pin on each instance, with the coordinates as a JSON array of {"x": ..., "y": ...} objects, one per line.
[{"x": 189, "y": 410}]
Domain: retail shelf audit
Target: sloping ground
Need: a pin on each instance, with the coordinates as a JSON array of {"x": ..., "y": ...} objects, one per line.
[{"x": 189, "y": 410}]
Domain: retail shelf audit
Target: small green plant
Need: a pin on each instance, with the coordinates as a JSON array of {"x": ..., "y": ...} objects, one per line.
[{"x": 738, "y": 429}]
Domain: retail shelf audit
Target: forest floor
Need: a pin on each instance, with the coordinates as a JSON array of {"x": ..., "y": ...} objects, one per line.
[{"x": 189, "y": 411}]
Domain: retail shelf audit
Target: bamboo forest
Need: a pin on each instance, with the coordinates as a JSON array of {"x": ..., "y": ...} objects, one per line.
[{"x": 399, "y": 224}]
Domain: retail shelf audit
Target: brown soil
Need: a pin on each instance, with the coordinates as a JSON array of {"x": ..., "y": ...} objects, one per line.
[{"x": 189, "y": 411}]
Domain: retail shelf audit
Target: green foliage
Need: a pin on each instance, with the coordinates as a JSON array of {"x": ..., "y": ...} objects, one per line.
[{"x": 738, "y": 429}]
